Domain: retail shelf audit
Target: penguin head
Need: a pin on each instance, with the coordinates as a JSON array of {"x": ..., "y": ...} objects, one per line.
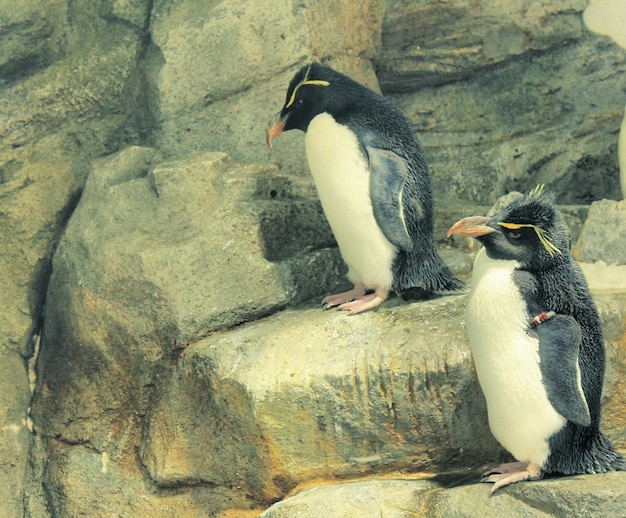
[
  {"x": 530, "y": 231},
  {"x": 313, "y": 90}
]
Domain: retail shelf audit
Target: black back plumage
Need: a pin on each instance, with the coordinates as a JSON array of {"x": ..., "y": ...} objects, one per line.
[
  {"x": 378, "y": 123},
  {"x": 550, "y": 279}
]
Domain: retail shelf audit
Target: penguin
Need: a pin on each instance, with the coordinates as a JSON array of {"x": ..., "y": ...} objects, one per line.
[
  {"x": 373, "y": 183},
  {"x": 537, "y": 344}
]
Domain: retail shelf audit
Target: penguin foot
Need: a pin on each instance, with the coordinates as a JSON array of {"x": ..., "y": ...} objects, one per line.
[
  {"x": 341, "y": 298},
  {"x": 507, "y": 467},
  {"x": 364, "y": 302},
  {"x": 510, "y": 473}
]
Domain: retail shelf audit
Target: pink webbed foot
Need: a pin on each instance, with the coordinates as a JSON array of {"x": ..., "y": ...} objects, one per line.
[
  {"x": 364, "y": 302},
  {"x": 341, "y": 298},
  {"x": 356, "y": 301},
  {"x": 510, "y": 473}
]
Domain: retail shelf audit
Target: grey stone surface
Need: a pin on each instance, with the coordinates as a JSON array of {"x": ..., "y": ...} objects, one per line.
[
  {"x": 474, "y": 38},
  {"x": 497, "y": 113},
  {"x": 603, "y": 236},
  {"x": 319, "y": 395},
  {"x": 168, "y": 252},
  {"x": 226, "y": 66},
  {"x": 388, "y": 498},
  {"x": 585, "y": 496},
  {"x": 66, "y": 96},
  {"x": 501, "y": 97}
]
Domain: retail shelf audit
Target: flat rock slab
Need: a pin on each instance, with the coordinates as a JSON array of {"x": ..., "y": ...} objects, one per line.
[
  {"x": 581, "y": 496},
  {"x": 314, "y": 394}
]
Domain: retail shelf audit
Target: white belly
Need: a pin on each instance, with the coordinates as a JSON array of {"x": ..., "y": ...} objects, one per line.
[
  {"x": 342, "y": 179},
  {"x": 507, "y": 362}
]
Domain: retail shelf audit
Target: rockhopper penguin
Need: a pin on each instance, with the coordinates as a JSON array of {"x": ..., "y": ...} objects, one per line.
[
  {"x": 373, "y": 183},
  {"x": 537, "y": 344}
]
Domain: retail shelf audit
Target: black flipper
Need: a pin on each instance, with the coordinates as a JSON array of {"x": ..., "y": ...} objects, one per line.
[
  {"x": 388, "y": 176},
  {"x": 559, "y": 343}
]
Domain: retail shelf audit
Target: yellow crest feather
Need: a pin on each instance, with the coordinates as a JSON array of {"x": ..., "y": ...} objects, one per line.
[{"x": 305, "y": 81}]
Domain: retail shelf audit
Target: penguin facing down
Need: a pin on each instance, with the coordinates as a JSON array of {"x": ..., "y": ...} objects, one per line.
[
  {"x": 537, "y": 344},
  {"x": 373, "y": 183}
]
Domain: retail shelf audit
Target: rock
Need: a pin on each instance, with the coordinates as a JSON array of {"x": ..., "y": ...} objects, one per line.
[
  {"x": 605, "y": 278},
  {"x": 66, "y": 95},
  {"x": 34, "y": 206},
  {"x": 117, "y": 487},
  {"x": 318, "y": 395},
  {"x": 584, "y": 496},
  {"x": 603, "y": 236},
  {"x": 522, "y": 114},
  {"x": 622, "y": 155},
  {"x": 32, "y": 38},
  {"x": 521, "y": 98},
  {"x": 335, "y": 396},
  {"x": 390, "y": 498},
  {"x": 206, "y": 103},
  {"x": 474, "y": 38},
  {"x": 169, "y": 253}
]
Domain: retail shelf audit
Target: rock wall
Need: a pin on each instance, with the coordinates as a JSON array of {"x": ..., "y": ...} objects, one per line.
[{"x": 170, "y": 242}]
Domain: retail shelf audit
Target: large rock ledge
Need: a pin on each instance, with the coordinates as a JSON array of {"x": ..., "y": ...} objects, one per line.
[
  {"x": 581, "y": 496},
  {"x": 151, "y": 383},
  {"x": 312, "y": 395}
]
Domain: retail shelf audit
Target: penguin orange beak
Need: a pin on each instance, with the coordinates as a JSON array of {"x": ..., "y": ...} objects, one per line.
[
  {"x": 473, "y": 226},
  {"x": 275, "y": 127}
]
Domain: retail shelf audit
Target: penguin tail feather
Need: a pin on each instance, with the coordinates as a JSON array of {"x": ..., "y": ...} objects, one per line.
[
  {"x": 599, "y": 456},
  {"x": 427, "y": 271}
]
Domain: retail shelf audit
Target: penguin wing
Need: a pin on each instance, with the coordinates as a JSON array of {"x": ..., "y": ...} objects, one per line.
[
  {"x": 559, "y": 342},
  {"x": 388, "y": 174}
]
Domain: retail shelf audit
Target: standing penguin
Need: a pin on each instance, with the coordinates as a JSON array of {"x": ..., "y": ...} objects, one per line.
[
  {"x": 373, "y": 183},
  {"x": 537, "y": 344}
]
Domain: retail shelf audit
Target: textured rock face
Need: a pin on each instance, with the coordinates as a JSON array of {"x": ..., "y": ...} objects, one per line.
[
  {"x": 179, "y": 244},
  {"x": 66, "y": 96},
  {"x": 604, "y": 234},
  {"x": 225, "y": 68},
  {"x": 128, "y": 383},
  {"x": 499, "y": 113},
  {"x": 502, "y": 97},
  {"x": 602, "y": 495}
]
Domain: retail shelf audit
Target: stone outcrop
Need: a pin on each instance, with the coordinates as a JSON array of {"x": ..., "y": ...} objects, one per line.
[
  {"x": 600, "y": 495},
  {"x": 500, "y": 113},
  {"x": 224, "y": 68},
  {"x": 68, "y": 94},
  {"x": 171, "y": 243},
  {"x": 129, "y": 383},
  {"x": 604, "y": 237}
]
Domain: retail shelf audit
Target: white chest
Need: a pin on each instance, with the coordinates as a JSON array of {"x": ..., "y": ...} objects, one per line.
[
  {"x": 507, "y": 362},
  {"x": 342, "y": 178}
]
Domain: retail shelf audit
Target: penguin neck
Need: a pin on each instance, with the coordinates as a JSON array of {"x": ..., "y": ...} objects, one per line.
[{"x": 483, "y": 263}]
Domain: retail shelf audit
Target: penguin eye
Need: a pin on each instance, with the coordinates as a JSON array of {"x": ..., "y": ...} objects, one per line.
[
  {"x": 299, "y": 103},
  {"x": 514, "y": 235}
]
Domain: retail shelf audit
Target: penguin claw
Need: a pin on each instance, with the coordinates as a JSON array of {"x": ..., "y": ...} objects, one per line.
[
  {"x": 511, "y": 473},
  {"x": 507, "y": 467},
  {"x": 356, "y": 300},
  {"x": 342, "y": 298},
  {"x": 362, "y": 303}
]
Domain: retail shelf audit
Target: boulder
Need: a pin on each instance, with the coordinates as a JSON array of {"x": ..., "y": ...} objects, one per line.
[
  {"x": 157, "y": 256},
  {"x": 500, "y": 113},
  {"x": 584, "y": 496},
  {"x": 603, "y": 236},
  {"x": 225, "y": 68},
  {"x": 318, "y": 395}
]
